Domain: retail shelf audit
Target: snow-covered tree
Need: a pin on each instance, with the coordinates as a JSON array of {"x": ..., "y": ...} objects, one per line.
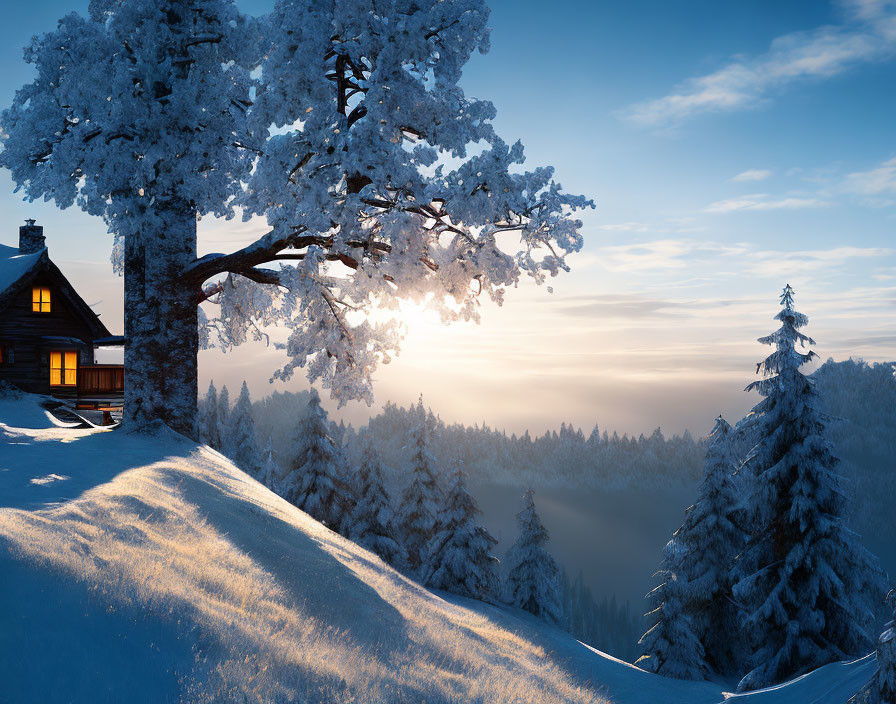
[
  {"x": 808, "y": 589},
  {"x": 313, "y": 481},
  {"x": 152, "y": 114},
  {"x": 882, "y": 687},
  {"x": 270, "y": 469},
  {"x": 223, "y": 414},
  {"x": 709, "y": 540},
  {"x": 240, "y": 442},
  {"x": 671, "y": 647},
  {"x": 373, "y": 518},
  {"x": 459, "y": 558},
  {"x": 533, "y": 577},
  {"x": 421, "y": 501},
  {"x": 208, "y": 418},
  {"x": 884, "y": 683}
]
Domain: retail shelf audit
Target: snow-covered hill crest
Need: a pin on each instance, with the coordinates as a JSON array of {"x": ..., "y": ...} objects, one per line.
[{"x": 147, "y": 568}]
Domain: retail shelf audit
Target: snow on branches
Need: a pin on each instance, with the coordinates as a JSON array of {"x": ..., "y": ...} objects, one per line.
[
  {"x": 533, "y": 576},
  {"x": 808, "y": 589},
  {"x": 341, "y": 123}
]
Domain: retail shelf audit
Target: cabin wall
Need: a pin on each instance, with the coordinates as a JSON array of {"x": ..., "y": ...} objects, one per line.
[{"x": 22, "y": 329}]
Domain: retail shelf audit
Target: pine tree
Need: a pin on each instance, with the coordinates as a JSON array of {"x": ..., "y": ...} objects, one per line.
[
  {"x": 710, "y": 540},
  {"x": 421, "y": 500},
  {"x": 240, "y": 442},
  {"x": 533, "y": 577},
  {"x": 672, "y": 647},
  {"x": 807, "y": 587},
  {"x": 373, "y": 520},
  {"x": 208, "y": 419},
  {"x": 883, "y": 685},
  {"x": 313, "y": 481},
  {"x": 459, "y": 557},
  {"x": 223, "y": 413},
  {"x": 270, "y": 470}
]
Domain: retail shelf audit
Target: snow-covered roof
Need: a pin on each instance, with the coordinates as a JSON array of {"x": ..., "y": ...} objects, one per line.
[
  {"x": 13, "y": 266},
  {"x": 17, "y": 269}
]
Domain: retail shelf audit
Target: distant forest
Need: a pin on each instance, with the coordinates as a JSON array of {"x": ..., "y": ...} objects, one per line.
[{"x": 611, "y": 502}]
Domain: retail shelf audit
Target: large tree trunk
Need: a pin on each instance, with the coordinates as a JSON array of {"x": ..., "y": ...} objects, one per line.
[{"x": 160, "y": 321}]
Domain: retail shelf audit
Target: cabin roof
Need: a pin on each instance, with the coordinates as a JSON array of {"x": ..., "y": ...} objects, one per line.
[
  {"x": 18, "y": 270},
  {"x": 14, "y": 266}
]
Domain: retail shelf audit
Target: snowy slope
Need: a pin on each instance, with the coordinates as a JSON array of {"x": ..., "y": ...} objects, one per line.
[{"x": 147, "y": 569}]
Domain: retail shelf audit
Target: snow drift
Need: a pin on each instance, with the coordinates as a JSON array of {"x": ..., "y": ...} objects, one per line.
[{"x": 147, "y": 568}]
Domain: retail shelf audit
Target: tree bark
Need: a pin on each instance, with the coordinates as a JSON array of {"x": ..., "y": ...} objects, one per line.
[{"x": 161, "y": 323}]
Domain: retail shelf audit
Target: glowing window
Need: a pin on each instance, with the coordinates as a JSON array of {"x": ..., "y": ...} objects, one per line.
[
  {"x": 40, "y": 299},
  {"x": 63, "y": 368}
]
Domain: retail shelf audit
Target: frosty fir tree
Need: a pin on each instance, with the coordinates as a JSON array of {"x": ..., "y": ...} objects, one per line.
[
  {"x": 239, "y": 442},
  {"x": 883, "y": 686},
  {"x": 696, "y": 577},
  {"x": 208, "y": 418},
  {"x": 154, "y": 114},
  {"x": 313, "y": 480},
  {"x": 808, "y": 589},
  {"x": 421, "y": 501},
  {"x": 269, "y": 475},
  {"x": 533, "y": 577},
  {"x": 373, "y": 519},
  {"x": 223, "y": 413},
  {"x": 672, "y": 647},
  {"x": 459, "y": 558}
]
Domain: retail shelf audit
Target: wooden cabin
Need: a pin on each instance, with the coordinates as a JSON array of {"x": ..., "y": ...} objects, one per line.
[{"x": 48, "y": 334}]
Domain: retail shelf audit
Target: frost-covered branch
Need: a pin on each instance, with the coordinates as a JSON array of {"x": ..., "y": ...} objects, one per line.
[{"x": 342, "y": 124}]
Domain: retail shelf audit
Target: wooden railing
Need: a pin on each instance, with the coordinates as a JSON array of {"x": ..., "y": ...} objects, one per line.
[{"x": 100, "y": 379}]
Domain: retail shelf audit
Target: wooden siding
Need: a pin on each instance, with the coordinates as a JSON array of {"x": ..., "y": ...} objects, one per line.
[{"x": 22, "y": 330}]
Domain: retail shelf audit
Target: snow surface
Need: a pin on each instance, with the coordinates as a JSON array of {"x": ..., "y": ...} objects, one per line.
[
  {"x": 145, "y": 568},
  {"x": 13, "y": 266}
]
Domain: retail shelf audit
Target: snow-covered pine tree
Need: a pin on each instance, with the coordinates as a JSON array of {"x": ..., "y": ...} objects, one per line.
[
  {"x": 421, "y": 501},
  {"x": 533, "y": 577},
  {"x": 808, "y": 589},
  {"x": 671, "y": 647},
  {"x": 710, "y": 539},
  {"x": 240, "y": 442},
  {"x": 270, "y": 470},
  {"x": 314, "y": 479},
  {"x": 459, "y": 558},
  {"x": 208, "y": 418},
  {"x": 373, "y": 518},
  {"x": 882, "y": 687},
  {"x": 223, "y": 414},
  {"x": 884, "y": 683},
  {"x": 356, "y": 214}
]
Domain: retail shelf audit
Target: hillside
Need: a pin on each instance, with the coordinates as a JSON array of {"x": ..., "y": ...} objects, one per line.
[{"x": 148, "y": 569}]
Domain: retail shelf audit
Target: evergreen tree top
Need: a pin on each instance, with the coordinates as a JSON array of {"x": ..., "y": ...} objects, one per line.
[
  {"x": 721, "y": 429},
  {"x": 785, "y": 359},
  {"x": 529, "y": 521}
]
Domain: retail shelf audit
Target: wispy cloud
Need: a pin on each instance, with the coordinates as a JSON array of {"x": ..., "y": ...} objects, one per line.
[
  {"x": 762, "y": 201},
  {"x": 868, "y": 34},
  {"x": 624, "y": 227},
  {"x": 695, "y": 255},
  {"x": 783, "y": 264},
  {"x": 661, "y": 254},
  {"x": 876, "y": 182},
  {"x": 753, "y": 175}
]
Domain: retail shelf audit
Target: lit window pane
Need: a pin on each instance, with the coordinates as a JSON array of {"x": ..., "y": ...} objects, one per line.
[
  {"x": 55, "y": 377},
  {"x": 40, "y": 300}
]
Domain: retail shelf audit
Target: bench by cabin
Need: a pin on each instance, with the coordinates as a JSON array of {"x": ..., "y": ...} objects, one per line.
[{"x": 48, "y": 334}]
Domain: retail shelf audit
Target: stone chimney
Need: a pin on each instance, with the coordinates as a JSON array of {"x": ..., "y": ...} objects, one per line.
[{"x": 31, "y": 238}]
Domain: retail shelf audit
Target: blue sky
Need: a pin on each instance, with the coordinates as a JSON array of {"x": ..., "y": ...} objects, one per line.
[{"x": 730, "y": 147}]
